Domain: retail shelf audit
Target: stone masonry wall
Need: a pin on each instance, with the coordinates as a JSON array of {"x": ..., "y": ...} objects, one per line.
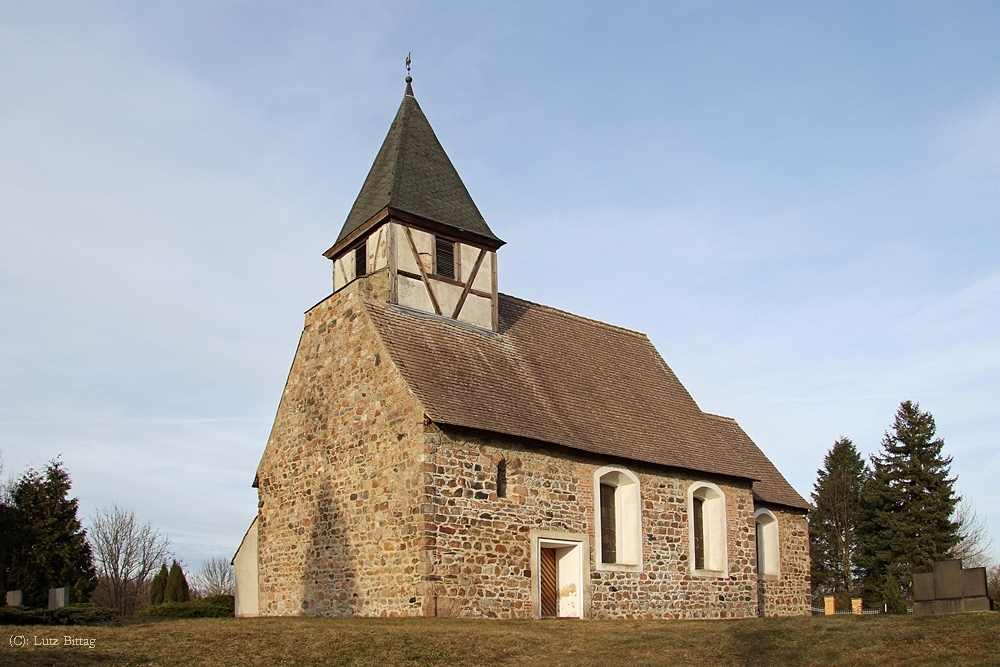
[
  {"x": 340, "y": 480},
  {"x": 365, "y": 509},
  {"x": 788, "y": 594},
  {"x": 482, "y": 548}
]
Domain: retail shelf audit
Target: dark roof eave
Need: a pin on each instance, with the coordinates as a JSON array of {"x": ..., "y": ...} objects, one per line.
[
  {"x": 621, "y": 457},
  {"x": 760, "y": 500},
  {"x": 491, "y": 243}
]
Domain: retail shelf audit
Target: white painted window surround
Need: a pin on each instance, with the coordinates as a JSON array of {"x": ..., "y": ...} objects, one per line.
[
  {"x": 628, "y": 518},
  {"x": 768, "y": 554},
  {"x": 714, "y": 526}
]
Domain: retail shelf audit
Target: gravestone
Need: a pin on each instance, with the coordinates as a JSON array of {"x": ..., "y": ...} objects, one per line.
[
  {"x": 948, "y": 580},
  {"x": 951, "y": 589},
  {"x": 974, "y": 585},
  {"x": 15, "y": 598},
  {"x": 58, "y": 597},
  {"x": 923, "y": 587}
]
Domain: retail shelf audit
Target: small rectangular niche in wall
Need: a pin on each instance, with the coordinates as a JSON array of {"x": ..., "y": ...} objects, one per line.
[{"x": 444, "y": 257}]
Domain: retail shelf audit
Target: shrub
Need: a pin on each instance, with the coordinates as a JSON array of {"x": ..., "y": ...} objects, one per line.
[
  {"x": 216, "y": 606},
  {"x": 73, "y": 615},
  {"x": 892, "y": 595}
]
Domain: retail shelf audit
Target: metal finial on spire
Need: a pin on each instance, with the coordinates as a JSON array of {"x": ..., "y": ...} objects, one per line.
[{"x": 409, "y": 88}]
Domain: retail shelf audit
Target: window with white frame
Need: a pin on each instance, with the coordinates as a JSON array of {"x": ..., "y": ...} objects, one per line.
[
  {"x": 618, "y": 519},
  {"x": 707, "y": 526},
  {"x": 768, "y": 557}
]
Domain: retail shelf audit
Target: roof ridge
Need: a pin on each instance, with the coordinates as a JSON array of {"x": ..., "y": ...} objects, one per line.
[
  {"x": 400, "y": 152},
  {"x": 590, "y": 320}
]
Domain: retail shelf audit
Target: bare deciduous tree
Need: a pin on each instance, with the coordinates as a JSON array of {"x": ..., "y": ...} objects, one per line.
[
  {"x": 215, "y": 577},
  {"x": 128, "y": 554},
  {"x": 993, "y": 581},
  {"x": 975, "y": 541}
]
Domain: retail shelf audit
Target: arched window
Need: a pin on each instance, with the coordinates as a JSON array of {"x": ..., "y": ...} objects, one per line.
[
  {"x": 707, "y": 512},
  {"x": 768, "y": 556},
  {"x": 618, "y": 519}
]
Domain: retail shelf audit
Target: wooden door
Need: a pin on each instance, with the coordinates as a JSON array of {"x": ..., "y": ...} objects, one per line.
[{"x": 547, "y": 562}]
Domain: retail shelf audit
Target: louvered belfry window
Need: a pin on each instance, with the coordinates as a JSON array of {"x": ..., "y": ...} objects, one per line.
[
  {"x": 609, "y": 536},
  {"x": 360, "y": 261},
  {"x": 444, "y": 257}
]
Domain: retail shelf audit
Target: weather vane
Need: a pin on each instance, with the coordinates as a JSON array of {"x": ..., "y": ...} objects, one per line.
[{"x": 408, "y": 61}]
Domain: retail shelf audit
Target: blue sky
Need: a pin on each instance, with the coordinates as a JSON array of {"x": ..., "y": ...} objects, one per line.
[{"x": 798, "y": 204}]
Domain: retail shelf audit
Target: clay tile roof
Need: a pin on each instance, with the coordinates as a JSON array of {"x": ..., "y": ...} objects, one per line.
[
  {"x": 413, "y": 174},
  {"x": 771, "y": 486},
  {"x": 559, "y": 378}
]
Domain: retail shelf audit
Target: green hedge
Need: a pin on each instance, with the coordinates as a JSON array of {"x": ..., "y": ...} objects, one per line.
[
  {"x": 217, "y": 606},
  {"x": 72, "y": 615}
]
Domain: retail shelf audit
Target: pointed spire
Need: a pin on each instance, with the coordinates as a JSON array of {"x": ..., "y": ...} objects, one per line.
[{"x": 413, "y": 175}]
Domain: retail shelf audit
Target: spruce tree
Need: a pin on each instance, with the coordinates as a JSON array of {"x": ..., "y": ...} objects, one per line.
[
  {"x": 9, "y": 535},
  {"x": 158, "y": 586},
  {"x": 51, "y": 549},
  {"x": 906, "y": 504},
  {"x": 177, "y": 586},
  {"x": 833, "y": 525}
]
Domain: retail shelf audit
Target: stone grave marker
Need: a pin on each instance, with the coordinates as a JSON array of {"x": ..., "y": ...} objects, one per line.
[{"x": 58, "y": 597}]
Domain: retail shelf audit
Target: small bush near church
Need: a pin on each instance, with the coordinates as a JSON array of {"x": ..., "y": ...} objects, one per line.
[
  {"x": 72, "y": 615},
  {"x": 216, "y": 606}
]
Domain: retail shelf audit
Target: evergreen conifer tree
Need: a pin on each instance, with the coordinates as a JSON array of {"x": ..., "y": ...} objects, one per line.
[
  {"x": 51, "y": 549},
  {"x": 9, "y": 537},
  {"x": 833, "y": 525},
  {"x": 892, "y": 596},
  {"x": 177, "y": 586},
  {"x": 158, "y": 587},
  {"x": 907, "y": 504}
]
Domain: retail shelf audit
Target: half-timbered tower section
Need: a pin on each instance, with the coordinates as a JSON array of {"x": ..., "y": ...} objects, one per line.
[
  {"x": 415, "y": 233},
  {"x": 441, "y": 449}
]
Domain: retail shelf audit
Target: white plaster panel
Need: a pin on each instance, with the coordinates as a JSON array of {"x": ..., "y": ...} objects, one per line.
[
  {"x": 343, "y": 270},
  {"x": 377, "y": 249},
  {"x": 246, "y": 568},
  {"x": 412, "y": 294},
  {"x": 404, "y": 255},
  {"x": 467, "y": 255},
  {"x": 447, "y": 296},
  {"x": 478, "y": 311},
  {"x": 425, "y": 248},
  {"x": 484, "y": 279}
]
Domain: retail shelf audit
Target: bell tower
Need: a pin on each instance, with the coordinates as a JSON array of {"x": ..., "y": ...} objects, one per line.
[{"x": 414, "y": 235}]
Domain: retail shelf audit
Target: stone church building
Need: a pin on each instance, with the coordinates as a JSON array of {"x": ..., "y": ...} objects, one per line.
[{"x": 444, "y": 449}]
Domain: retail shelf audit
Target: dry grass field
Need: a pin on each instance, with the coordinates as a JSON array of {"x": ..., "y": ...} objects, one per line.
[{"x": 970, "y": 639}]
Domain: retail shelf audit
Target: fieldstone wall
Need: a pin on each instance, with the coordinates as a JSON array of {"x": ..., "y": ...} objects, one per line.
[
  {"x": 367, "y": 509},
  {"x": 482, "y": 548},
  {"x": 788, "y": 593},
  {"x": 340, "y": 481}
]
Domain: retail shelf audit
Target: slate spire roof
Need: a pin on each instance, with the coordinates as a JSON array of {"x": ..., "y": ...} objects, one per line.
[{"x": 412, "y": 174}]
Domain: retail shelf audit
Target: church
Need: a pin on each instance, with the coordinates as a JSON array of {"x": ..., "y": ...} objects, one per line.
[{"x": 444, "y": 449}]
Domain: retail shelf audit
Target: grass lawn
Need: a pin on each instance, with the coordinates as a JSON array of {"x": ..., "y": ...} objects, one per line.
[{"x": 963, "y": 639}]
